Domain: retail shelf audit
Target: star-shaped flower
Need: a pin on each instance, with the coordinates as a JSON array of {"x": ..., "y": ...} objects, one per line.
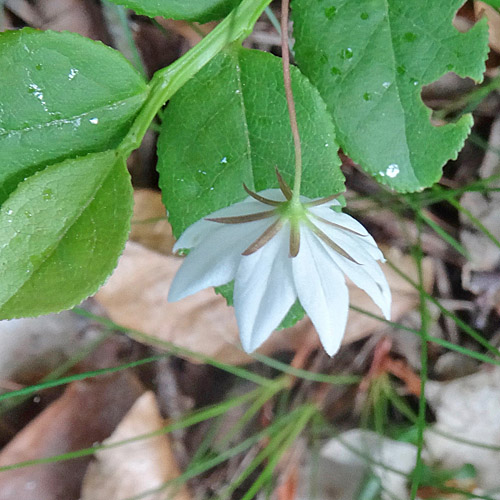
[{"x": 277, "y": 250}]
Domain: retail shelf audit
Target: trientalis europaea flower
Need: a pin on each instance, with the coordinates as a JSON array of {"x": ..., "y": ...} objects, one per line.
[
  {"x": 278, "y": 249},
  {"x": 279, "y": 246}
]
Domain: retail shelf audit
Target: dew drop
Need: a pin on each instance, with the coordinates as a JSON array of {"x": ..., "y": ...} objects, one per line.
[
  {"x": 335, "y": 71},
  {"x": 28, "y": 214},
  {"x": 94, "y": 121},
  {"x": 326, "y": 145},
  {"x": 224, "y": 160},
  {"x": 450, "y": 67},
  {"x": 330, "y": 12},
  {"x": 47, "y": 194},
  {"x": 386, "y": 85},
  {"x": 346, "y": 53},
  {"x": 409, "y": 36},
  {"x": 237, "y": 91},
  {"x": 364, "y": 16},
  {"x": 392, "y": 170},
  {"x": 413, "y": 81},
  {"x": 401, "y": 70},
  {"x": 38, "y": 67},
  {"x": 10, "y": 211},
  {"x": 367, "y": 96},
  {"x": 72, "y": 73}
]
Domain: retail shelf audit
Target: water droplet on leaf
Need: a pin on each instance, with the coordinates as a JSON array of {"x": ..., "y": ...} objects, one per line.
[
  {"x": 364, "y": 16},
  {"x": 386, "y": 85},
  {"x": 367, "y": 96},
  {"x": 224, "y": 160},
  {"x": 94, "y": 121},
  {"x": 392, "y": 170},
  {"x": 335, "y": 71},
  {"x": 47, "y": 194},
  {"x": 346, "y": 53}
]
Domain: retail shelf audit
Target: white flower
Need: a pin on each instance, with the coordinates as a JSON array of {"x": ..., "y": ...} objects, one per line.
[{"x": 277, "y": 251}]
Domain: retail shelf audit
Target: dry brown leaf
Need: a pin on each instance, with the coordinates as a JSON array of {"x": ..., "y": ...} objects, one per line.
[
  {"x": 483, "y": 9},
  {"x": 86, "y": 413},
  {"x": 467, "y": 408},
  {"x": 137, "y": 467},
  {"x": 78, "y": 16},
  {"x": 136, "y": 297},
  {"x": 150, "y": 227}
]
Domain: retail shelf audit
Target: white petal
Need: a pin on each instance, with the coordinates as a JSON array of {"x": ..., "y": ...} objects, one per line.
[
  {"x": 321, "y": 290},
  {"x": 263, "y": 290},
  {"x": 362, "y": 249},
  {"x": 197, "y": 232},
  {"x": 214, "y": 261},
  {"x": 368, "y": 277},
  {"x": 341, "y": 219}
]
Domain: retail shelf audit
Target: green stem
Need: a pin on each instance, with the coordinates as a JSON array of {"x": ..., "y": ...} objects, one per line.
[
  {"x": 289, "y": 99},
  {"x": 166, "y": 82},
  {"x": 422, "y": 405}
]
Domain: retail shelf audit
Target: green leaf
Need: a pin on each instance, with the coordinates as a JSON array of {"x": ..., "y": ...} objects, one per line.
[
  {"x": 369, "y": 60},
  {"x": 189, "y": 10},
  {"x": 61, "y": 232},
  {"x": 229, "y": 125},
  {"x": 61, "y": 95}
]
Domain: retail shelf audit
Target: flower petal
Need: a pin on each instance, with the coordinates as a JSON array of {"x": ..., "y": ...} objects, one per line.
[
  {"x": 368, "y": 277},
  {"x": 263, "y": 290},
  {"x": 362, "y": 249},
  {"x": 321, "y": 290},
  {"x": 214, "y": 261},
  {"x": 201, "y": 229}
]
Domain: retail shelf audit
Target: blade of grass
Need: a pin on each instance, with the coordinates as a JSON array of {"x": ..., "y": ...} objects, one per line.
[
  {"x": 422, "y": 404},
  {"x": 464, "y": 326},
  {"x": 176, "y": 350},
  {"x": 298, "y": 426},
  {"x": 79, "y": 376},
  {"x": 443, "y": 343},
  {"x": 305, "y": 374},
  {"x": 206, "y": 465},
  {"x": 192, "y": 419},
  {"x": 475, "y": 221}
]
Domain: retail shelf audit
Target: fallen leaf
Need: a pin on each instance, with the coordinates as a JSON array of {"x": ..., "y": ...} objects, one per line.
[
  {"x": 467, "y": 408},
  {"x": 86, "y": 413},
  {"x": 342, "y": 467},
  {"x": 136, "y": 297},
  {"x": 32, "y": 347},
  {"x": 135, "y": 468},
  {"x": 78, "y": 16},
  {"x": 150, "y": 227}
]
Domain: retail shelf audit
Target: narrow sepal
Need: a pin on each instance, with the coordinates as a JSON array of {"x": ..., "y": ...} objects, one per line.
[
  {"x": 260, "y": 198},
  {"x": 266, "y": 236}
]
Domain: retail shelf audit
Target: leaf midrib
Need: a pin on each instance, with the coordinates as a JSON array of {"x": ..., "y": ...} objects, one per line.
[{"x": 69, "y": 119}]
